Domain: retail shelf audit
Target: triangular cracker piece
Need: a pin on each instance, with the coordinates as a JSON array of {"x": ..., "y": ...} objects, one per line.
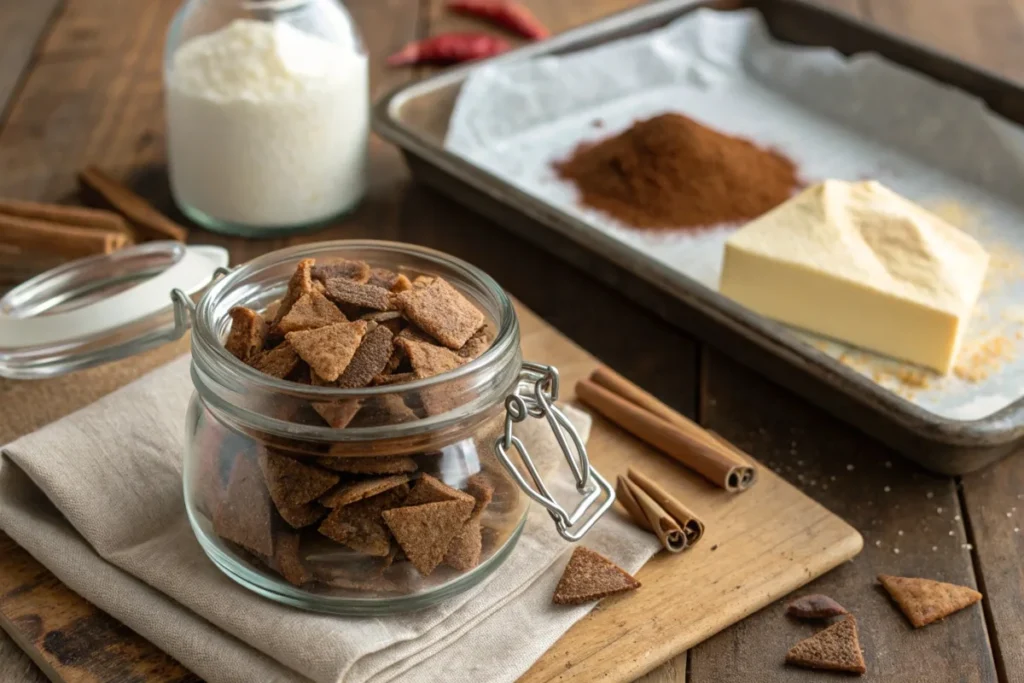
[
  {"x": 287, "y": 560},
  {"x": 430, "y": 489},
  {"x": 301, "y": 282},
  {"x": 357, "y": 271},
  {"x": 426, "y": 531},
  {"x": 244, "y": 516},
  {"x": 925, "y": 601},
  {"x": 360, "y": 526},
  {"x": 369, "y": 360},
  {"x": 279, "y": 362},
  {"x": 247, "y": 335},
  {"x": 443, "y": 312},
  {"x": 591, "y": 576},
  {"x": 837, "y": 648},
  {"x": 426, "y": 359},
  {"x": 328, "y": 350},
  {"x": 309, "y": 312},
  {"x": 298, "y": 516},
  {"x": 292, "y": 482},
  {"x": 464, "y": 552},
  {"x": 351, "y": 493}
]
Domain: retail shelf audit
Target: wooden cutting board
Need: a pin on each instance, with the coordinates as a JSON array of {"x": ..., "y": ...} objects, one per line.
[{"x": 759, "y": 546}]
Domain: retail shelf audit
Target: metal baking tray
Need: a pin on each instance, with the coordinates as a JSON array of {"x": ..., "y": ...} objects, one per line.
[{"x": 415, "y": 117}]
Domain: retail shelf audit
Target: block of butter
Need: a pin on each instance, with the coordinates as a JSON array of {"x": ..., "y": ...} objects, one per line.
[{"x": 857, "y": 262}]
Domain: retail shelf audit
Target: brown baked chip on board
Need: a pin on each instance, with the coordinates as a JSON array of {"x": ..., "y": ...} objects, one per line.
[
  {"x": 247, "y": 335},
  {"x": 836, "y": 648},
  {"x": 359, "y": 525},
  {"x": 426, "y": 531},
  {"x": 328, "y": 350},
  {"x": 357, "y": 271},
  {"x": 389, "y": 464},
  {"x": 292, "y": 482},
  {"x": 591, "y": 576},
  {"x": 428, "y": 360},
  {"x": 814, "y": 606},
  {"x": 342, "y": 291},
  {"x": 280, "y": 361},
  {"x": 442, "y": 312},
  {"x": 350, "y": 493},
  {"x": 309, "y": 312},
  {"x": 369, "y": 359},
  {"x": 924, "y": 601},
  {"x": 244, "y": 516}
]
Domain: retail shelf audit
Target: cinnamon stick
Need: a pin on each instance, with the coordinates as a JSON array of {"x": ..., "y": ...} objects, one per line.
[
  {"x": 99, "y": 187},
  {"x": 58, "y": 240},
  {"x": 691, "y": 525},
  {"x": 647, "y": 513},
  {"x": 711, "y": 461},
  {"x": 75, "y": 216}
]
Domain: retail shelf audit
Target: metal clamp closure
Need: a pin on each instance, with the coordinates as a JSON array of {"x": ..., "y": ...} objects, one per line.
[{"x": 535, "y": 396}]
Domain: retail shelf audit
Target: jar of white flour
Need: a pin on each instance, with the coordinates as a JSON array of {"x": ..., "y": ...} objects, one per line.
[{"x": 267, "y": 114}]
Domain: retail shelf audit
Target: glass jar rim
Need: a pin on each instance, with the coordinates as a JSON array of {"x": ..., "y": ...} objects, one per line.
[{"x": 206, "y": 341}]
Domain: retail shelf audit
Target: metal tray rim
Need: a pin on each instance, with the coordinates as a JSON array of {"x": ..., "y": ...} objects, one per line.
[{"x": 1002, "y": 427}]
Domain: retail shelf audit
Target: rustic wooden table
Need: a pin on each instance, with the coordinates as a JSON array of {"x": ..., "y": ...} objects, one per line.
[{"x": 82, "y": 84}]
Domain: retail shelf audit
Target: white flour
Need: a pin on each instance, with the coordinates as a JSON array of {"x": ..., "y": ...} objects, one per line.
[{"x": 267, "y": 125}]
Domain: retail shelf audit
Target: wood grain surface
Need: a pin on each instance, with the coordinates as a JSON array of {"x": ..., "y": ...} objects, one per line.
[
  {"x": 759, "y": 545},
  {"x": 91, "y": 93}
]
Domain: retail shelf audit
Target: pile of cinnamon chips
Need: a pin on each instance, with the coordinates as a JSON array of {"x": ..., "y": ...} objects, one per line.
[{"x": 345, "y": 324}]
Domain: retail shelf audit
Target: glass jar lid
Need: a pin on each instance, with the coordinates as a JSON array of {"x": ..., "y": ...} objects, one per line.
[{"x": 99, "y": 309}]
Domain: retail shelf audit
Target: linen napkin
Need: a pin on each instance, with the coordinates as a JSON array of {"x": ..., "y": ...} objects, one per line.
[{"x": 97, "y": 498}]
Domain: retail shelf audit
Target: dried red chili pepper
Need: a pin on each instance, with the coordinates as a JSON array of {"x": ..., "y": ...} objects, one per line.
[
  {"x": 506, "y": 13},
  {"x": 449, "y": 48}
]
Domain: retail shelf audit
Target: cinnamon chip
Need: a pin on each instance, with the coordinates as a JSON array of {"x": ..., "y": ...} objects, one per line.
[
  {"x": 924, "y": 601},
  {"x": 328, "y": 350},
  {"x": 481, "y": 488},
  {"x": 442, "y": 312},
  {"x": 591, "y": 576},
  {"x": 426, "y": 531},
  {"x": 428, "y": 360},
  {"x": 429, "y": 489},
  {"x": 357, "y": 271},
  {"x": 413, "y": 333},
  {"x": 401, "y": 284},
  {"x": 300, "y": 283},
  {"x": 369, "y": 360},
  {"x": 337, "y": 414},
  {"x": 299, "y": 516},
  {"x": 394, "y": 464},
  {"x": 309, "y": 312},
  {"x": 475, "y": 345},
  {"x": 279, "y": 362},
  {"x": 360, "y": 526},
  {"x": 397, "y": 378},
  {"x": 464, "y": 552},
  {"x": 350, "y": 493},
  {"x": 287, "y": 560},
  {"x": 837, "y": 648},
  {"x": 292, "y": 482},
  {"x": 248, "y": 333},
  {"x": 244, "y": 515},
  {"x": 342, "y": 291},
  {"x": 814, "y": 607}
]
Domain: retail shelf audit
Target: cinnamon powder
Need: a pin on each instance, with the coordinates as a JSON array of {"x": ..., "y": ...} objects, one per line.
[{"x": 672, "y": 172}]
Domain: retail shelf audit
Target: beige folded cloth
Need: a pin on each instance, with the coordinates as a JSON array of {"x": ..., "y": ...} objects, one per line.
[{"x": 96, "y": 497}]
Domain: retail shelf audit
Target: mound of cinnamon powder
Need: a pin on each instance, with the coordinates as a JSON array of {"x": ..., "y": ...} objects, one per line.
[{"x": 672, "y": 172}]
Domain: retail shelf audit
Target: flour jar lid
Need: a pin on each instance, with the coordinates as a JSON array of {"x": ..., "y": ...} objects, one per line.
[{"x": 102, "y": 308}]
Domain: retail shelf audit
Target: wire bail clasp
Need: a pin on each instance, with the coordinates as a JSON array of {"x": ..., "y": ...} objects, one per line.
[{"x": 535, "y": 396}]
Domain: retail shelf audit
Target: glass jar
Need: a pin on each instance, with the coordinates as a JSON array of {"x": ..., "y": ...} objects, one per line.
[
  {"x": 267, "y": 105},
  {"x": 245, "y": 428}
]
